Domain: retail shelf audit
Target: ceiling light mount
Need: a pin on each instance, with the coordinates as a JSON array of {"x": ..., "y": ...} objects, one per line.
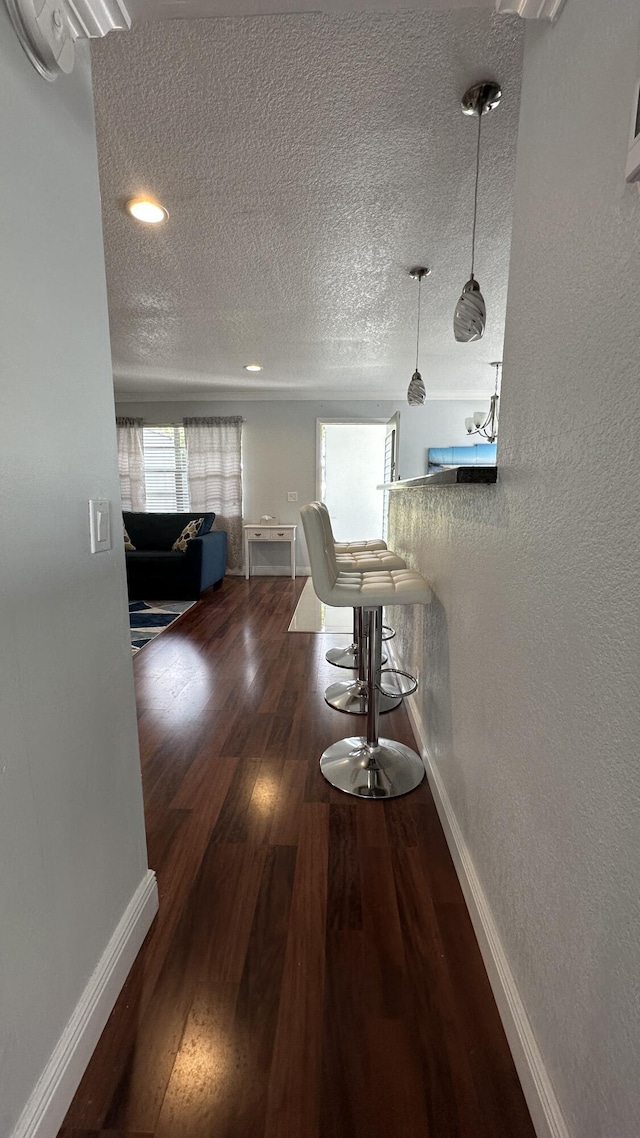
[
  {"x": 481, "y": 98},
  {"x": 48, "y": 29},
  {"x": 470, "y": 316},
  {"x": 416, "y": 394}
]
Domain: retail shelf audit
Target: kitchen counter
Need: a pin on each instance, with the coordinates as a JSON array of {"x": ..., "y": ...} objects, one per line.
[{"x": 450, "y": 476}]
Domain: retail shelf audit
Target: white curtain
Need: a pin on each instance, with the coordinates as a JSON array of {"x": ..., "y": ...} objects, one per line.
[
  {"x": 214, "y": 470},
  {"x": 131, "y": 463}
]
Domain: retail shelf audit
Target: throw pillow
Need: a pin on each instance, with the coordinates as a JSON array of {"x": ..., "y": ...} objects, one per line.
[
  {"x": 189, "y": 532},
  {"x": 128, "y": 544}
]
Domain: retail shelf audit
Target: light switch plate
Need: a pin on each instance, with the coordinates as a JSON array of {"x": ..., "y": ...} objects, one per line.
[
  {"x": 292, "y": 495},
  {"x": 100, "y": 525}
]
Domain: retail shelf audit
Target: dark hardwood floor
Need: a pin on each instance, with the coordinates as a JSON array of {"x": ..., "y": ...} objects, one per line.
[{"x": 312, "y": 972}]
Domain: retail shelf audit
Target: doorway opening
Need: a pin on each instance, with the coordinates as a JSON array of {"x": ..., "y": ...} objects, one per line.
[{"x": 350, "y": 465}]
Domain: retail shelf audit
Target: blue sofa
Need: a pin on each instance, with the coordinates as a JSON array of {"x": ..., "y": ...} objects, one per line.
[
  {"x": 155, "y": 571},
  {"x": 478, "y": 454}
]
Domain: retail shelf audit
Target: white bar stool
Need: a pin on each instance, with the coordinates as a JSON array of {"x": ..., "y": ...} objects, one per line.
[
  {"x": 349, "y": 657},
  {"x": 350, "y": 696},
  {"x": 365, "y": 766}
]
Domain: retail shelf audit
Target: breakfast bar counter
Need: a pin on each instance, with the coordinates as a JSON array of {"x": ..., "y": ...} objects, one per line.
[{"x": 448, "y": 476}]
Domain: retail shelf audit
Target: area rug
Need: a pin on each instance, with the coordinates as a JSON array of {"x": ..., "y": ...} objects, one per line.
[
  {"x": 149, "y": 618},
  {"x": 312, "y": 615}
]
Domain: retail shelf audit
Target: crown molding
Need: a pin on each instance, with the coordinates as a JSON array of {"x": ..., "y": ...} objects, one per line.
[
  {"x": 95, "y": 18},
  {"x": 530, "y": 9},
  {"x": 48, "y": 29}
]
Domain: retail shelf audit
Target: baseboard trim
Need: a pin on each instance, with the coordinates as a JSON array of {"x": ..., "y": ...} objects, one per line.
[
  {"x": 546, "y": 1115},
  {"x": 44, "y": 1113},
  {"x": 279, "y": 571}
]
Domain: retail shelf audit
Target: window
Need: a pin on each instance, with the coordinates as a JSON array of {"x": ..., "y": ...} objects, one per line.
[{"x": 165, "y": 469}]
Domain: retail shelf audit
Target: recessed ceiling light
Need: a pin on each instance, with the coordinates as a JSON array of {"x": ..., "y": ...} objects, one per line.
[
  {"x": 143, "y": 209},
  {"x": 253, "y": 367}
]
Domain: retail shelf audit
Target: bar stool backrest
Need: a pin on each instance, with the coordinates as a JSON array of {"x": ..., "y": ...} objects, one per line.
[
  {"x": 322, "y": 556},
  {"x": 326, "y": 518},
  {"x": 330, "y": 541}
]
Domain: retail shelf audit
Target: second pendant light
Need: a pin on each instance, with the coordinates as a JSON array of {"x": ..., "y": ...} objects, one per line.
[{"x": 416, "y": 395}]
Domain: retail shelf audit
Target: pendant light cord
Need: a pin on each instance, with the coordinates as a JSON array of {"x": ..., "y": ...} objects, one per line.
[
  {"x": 475, "y": 199},
  {"x": 418, "y": 333}
]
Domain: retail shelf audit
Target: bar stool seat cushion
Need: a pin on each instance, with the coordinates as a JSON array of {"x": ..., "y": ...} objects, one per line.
[
  {"x": 366, "y": 562},
  {"x": 370, "y": 590},
  {"x": 360, "y": 546}
]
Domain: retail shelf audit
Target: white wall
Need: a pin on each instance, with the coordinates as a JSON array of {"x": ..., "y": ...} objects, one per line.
[
  {"x": 279, "y": 448},
  {"x": 72, "y": 845},
  {"x": 530, "y": 655}
]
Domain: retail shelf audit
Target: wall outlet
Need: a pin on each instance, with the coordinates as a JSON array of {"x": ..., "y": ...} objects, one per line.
[{"x": 292, "y": 495}]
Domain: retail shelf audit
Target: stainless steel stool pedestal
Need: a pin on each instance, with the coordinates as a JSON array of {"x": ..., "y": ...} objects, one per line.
[
  {"x": 351, "y": 696},
  {"x": 370, "y": 767},
  {"x": 348, "y": 657}
]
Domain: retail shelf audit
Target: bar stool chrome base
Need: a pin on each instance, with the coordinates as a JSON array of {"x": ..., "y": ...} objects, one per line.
[
  {"x": 383, "y": 770},
  {"x": 346, "y": 657},
  {"x": 351, "y": 696},
  {"x": 343, "y": 657}
]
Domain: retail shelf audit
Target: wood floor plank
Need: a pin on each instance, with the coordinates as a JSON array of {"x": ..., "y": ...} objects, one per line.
[
  {"x": 451, "y": 1102},
  {"x": 138, "y": 1096},
  {"x": 294, "y": 1088},
  {"x": 312, "y": 972},
  {"x": 344, "y": 892},
  {"x": 347, "y": 1097},
  {"x": 208, "y": 1073},
  {"x": 285, "y": 820},
  {"x": 93, "y": 1097},
  {"x": 500, "y": 1101},
  {"x": 176, "y": 878},
  {"x": 223, "y": 905}
]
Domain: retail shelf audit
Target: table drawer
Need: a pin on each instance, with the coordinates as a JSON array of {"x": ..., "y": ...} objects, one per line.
[{"x": 285, "y": 533}]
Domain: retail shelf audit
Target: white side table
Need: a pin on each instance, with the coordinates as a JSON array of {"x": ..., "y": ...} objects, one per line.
[{"x": 268, "y": 533}]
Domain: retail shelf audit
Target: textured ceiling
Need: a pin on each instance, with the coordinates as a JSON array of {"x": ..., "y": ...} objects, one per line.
[{"x": 307, "y": 162}]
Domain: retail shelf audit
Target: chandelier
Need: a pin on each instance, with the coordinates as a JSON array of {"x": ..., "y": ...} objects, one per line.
[{"x": 486, "y": 425}]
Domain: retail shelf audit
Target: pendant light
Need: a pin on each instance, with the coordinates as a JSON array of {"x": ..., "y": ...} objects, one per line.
[
  {"x": 416, "y": 395},
  {"x": 470, "y": 316},
  {"x": 486, "y": 425}
]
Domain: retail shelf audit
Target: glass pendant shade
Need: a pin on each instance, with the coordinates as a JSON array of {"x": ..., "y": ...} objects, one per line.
[
  {"x": 416, "y": 394},
  {"x": 470, "y": 316}
]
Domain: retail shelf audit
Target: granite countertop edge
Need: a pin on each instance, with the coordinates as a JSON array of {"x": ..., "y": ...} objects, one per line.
[{"x": 450, "y": 476}]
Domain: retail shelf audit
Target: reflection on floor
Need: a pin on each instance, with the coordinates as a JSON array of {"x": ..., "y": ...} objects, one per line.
[{"x": 311, "y": 615}]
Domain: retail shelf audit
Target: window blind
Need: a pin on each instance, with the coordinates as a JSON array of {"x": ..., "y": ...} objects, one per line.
[{"x": 165, "y": 469}]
